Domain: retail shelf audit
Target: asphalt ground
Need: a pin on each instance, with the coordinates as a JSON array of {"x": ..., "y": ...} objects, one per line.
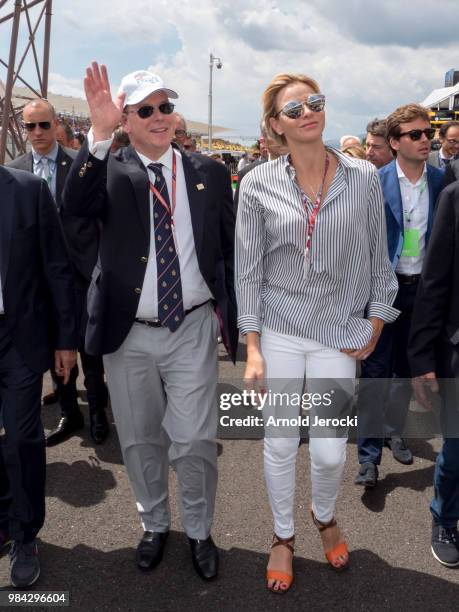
[{"x": 88, "y": 543}]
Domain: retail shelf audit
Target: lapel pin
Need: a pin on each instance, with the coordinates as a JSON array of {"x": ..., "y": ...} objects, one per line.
[
  {"x": 200, "y": 187},
  {"x": 64, "y": 163}
]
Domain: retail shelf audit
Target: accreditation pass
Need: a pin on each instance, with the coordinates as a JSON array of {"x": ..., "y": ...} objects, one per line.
[{"x": 34, "y": 599}]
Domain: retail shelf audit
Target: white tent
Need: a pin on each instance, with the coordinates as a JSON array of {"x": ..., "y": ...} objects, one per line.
[{"x": 442, "y": 98}]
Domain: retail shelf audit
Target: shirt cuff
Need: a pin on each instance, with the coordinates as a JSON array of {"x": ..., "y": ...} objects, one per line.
[
  {"x": 382, "y": 311},
  {"x": 248, "y": 323},
  {"x": 98, "y": 149}
]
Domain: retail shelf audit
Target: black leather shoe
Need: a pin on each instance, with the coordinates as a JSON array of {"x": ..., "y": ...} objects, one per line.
[
  {"x": 50, "y": 398},
  {"x": 367, "y": 475},
  {"x": 445, "y": 545},
  {"x": 98, "y": 425},
  {"x": 204, "y": 555},
  {"x": 66, "y": 427},
  {"x": 399, "y": 449},
  {"x": 150, "y": 550}
]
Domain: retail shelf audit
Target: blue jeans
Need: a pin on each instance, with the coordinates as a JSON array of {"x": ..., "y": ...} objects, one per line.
[
  {"x": 385, "y": 387},
  {"x": 445, "y": 504}
]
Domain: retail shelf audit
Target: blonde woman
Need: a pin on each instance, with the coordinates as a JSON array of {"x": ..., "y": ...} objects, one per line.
[
  {"x": 355, "y": 151},
  {"x": 314, "y": 288}
]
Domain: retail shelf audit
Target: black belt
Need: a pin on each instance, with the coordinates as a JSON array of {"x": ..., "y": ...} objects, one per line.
[
  {"x": 157, "y": 323},
  {"x": 408, "y": 279}
]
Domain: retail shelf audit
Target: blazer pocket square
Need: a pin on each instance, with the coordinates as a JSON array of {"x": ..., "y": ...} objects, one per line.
[{"x": 200, "y": 187}]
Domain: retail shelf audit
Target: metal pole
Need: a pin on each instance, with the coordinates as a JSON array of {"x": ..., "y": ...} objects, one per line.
[
  {"x": 209, "y": 125},
  {"x": 10, "y": 80},
  {"x": 47, "y": 43}
]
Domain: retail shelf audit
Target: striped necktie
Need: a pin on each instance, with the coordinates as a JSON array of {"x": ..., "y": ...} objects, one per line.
[
  {"x": 44, "y": 170},
  {"x": 170, "y": 300}
]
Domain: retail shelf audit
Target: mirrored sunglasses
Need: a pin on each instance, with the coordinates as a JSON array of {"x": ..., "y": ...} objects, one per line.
[{"x": 294, "y": 109}]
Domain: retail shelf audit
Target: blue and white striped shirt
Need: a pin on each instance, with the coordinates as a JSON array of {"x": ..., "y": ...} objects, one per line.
[{"x": 350, "y": 275}]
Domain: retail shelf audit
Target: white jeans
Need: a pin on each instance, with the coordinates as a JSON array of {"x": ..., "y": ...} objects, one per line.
[{"x": 288, "y": 360}]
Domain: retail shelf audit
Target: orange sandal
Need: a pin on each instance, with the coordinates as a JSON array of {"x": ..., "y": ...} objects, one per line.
[
  {"x": 340, "y": 550},
  {"x": 277, "y": 575}
]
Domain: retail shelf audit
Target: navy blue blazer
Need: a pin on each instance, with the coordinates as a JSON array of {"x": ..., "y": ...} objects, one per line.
[
  {"x": 393, "y": 206},
  {"x": 116, "y": 191},
  {"x": 82, "y": 234},
  {"x": 36, "y": 273}
]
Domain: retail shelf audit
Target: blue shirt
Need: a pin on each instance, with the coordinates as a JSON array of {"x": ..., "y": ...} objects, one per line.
[{"x": 52, "y": 163}]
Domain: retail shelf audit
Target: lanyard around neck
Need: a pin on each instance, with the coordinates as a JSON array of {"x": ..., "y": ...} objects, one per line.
[
  {"x": 315, "y": 210},
  {"x": 170, "y": 209}
]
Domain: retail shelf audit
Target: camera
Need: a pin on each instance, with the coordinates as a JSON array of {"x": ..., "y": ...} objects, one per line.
[{"x": 219, "y": 64}]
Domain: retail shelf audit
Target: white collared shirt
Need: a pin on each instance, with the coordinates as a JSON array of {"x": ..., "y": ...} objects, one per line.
[
  {"x": 415, "y": 208},
  {"x": 442, "y": 157},
  {"x": 194, "y": 288}
]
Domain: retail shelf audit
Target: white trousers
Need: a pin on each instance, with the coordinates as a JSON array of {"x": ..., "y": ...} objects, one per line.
[{"x": 288, "y": 360}]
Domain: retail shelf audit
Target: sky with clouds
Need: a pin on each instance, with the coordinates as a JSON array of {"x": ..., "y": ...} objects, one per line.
[{"x": 369, "y": 56}]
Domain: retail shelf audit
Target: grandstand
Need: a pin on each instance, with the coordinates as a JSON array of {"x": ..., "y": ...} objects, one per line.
[{"x": 76, "y": 111}]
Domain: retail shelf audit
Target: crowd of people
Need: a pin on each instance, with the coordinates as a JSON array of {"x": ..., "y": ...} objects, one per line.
[{"x": 131, "y": 249}]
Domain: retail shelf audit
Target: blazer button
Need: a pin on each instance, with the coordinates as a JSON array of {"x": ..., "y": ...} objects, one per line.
[
  {"x": 144, "y": 259},
  {"x": 138, "y": 290},
  {"x": 89, "y": 164}
]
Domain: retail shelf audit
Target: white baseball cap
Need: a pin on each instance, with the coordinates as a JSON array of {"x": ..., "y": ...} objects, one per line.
[{"x": 140, "y": 84}]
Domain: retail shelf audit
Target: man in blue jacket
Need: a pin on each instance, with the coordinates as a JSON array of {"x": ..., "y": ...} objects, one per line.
[{"x": 410, "y": 188}]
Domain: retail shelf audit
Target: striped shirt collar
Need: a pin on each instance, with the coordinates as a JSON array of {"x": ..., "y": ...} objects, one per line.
[{"x": 345, "y": 161}]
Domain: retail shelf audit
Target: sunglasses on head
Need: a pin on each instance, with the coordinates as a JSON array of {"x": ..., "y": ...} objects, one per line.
[
  {"x": 166, "y": 108},
  {"x": 294, "y": 109},
  {"x": 44, "y": 125},
  {"x": 417, "y": 134}
]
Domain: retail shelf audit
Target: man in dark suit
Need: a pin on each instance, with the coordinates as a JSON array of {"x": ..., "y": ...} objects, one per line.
[
  {"x": 52, "y": 162},
  {"x": 449, "y": 150},
  {"x": 161, "y": 292},
  {"x": 452, "y": 172},
  {"x": 434, "y": 360},
  {"x": 38, "y": 326},
  {"x": 410, "y": 188},
  {"x": 377, "y": 149}
]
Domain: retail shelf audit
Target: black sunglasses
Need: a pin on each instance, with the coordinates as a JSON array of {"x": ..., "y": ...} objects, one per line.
[
  {"x": 417, "y": 134},
  {"x": 294, "y": 109},
  {"x": 166, "y": 108},
  {"x": 44, "y": 125}
]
